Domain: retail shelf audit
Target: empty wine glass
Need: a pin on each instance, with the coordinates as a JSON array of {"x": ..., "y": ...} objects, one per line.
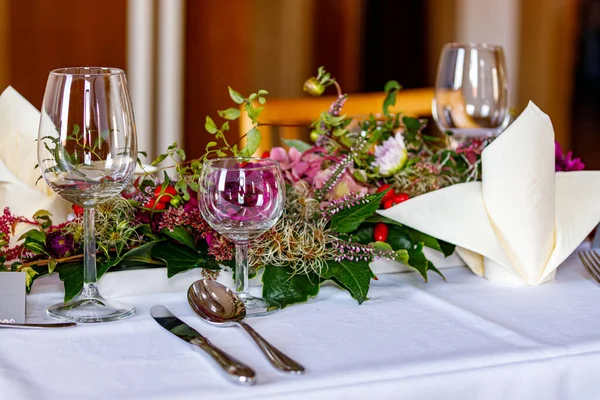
[
  {"x": 242, "y": 198},
  {"x": 471, "y": 92},
  {"x": 87, "y": 153}
]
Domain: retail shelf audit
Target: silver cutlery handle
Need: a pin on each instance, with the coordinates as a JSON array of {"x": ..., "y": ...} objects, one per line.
[
  {"x": 39, "y": 326},
  {"x": 276, "y": 357},
  {"x": 232, "y": 368}
]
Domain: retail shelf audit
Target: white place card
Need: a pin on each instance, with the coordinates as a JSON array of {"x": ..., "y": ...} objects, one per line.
[{"x": 12, "y": 297}]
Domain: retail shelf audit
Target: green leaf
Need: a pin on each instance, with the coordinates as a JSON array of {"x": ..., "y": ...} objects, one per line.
[
  {"x": 51, "y": 266},
  {"x": 72, "y": 276},
  {"x": 34, "y": 246},
  {"x": 299, "y": 145},
  {"x": 230, "y": 114},
  {"x": 262, "y": 100},
  {"x": 380, "y": 218},
  {"x": 76, "y": 129},
  {"x": 391, "y": 89},
  {"x": 210, "y": 126},
  {"x": 35, "y": 235},
  {"x": 354, "y": 276},
  {"x": 30, "y": 274},
  {"x": 262, "y": 92},
  {"x": 418, "y": 261},
  {"x": 180, "y": 258},
  {"x": 180, "y": 235},
  {"x": 349, "y": 219},
  {"x": 391, "y": 85},
  {"x": 283, "y": 286},
  {"x": 235, "y": 96},
  {"x": 399, "y": 238},
  {"x": 431, "y": 267},
  {"x": 140, "y": 257},
  {"x": 159, "y": 159},
  {"x": 411, "y": 123},
  {"x": 42, "y": 213},
  {"x": 252, "y": 143},
  {"x": 443, "y": 247}
]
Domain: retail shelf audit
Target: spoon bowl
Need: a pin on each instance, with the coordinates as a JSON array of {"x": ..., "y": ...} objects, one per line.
[
  {"x": 218, "y": 305},
  {"x": 215, "y": 303}
]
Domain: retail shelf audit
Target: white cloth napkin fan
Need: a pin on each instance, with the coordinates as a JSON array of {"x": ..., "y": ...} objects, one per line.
[
  {"x": 19, "y": 121},
  {"x": 523, "y": 220}
]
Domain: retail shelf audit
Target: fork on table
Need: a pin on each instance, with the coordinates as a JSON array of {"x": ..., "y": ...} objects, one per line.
[{"x": 591, "y": 261}]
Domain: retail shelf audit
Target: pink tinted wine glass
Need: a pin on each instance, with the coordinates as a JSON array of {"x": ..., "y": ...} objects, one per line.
[{"x": 242, "y": 198}]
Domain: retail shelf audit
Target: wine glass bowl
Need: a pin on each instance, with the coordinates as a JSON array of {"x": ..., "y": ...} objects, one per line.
[
  {"x": 242, "y": 198},
  {"x": 471, "y": 92},
  {"x": 87, "y": 153}
]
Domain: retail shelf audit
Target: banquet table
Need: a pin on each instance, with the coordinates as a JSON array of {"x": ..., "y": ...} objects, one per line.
[{"x": 462, "y": 339}]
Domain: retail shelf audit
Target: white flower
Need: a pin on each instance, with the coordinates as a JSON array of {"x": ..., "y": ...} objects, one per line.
[{"x": 390, "y": 156}]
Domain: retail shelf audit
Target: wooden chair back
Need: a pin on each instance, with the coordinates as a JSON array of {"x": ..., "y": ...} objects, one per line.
[{"x": 302, "y": 111}]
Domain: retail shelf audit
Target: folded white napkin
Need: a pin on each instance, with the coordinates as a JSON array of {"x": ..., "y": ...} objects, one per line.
[
  {"x": 19, "y": 121},
  {"x": 523, "y": 219}
]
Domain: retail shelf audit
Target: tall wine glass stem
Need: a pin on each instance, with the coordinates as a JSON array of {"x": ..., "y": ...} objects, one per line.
[
  {"x": 241, "y": 268},
  {"x": 89, "y": 243}
]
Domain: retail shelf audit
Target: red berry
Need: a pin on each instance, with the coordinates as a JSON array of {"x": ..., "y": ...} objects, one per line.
[
  {"x": 380, "y": 232},
  {"x": 388, "y": 195},
  {"x": 166, "y": 195},
  {"x": 388, "y": 203},
  {"x": 266, "y": 154},
  {"x": 400, "y": 198}
]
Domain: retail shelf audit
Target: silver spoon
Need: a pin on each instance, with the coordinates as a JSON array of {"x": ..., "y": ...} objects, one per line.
[{"x": 218, "y": 305}]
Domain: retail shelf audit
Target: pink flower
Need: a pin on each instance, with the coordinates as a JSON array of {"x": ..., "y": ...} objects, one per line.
[
  {"x": 298, "y": 166},
  {"x": 566, "y": 162},
  {"x": 345, "y": 186}
]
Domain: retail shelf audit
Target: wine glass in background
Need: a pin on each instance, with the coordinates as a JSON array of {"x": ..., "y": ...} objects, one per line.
[
  {"x": 471, "y": 92},
  {"x": 242, "y": 198},
  {"x": 87, "y": 152}
]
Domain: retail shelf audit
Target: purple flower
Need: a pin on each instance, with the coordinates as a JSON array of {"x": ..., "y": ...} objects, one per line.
[
  {"x": 566, "y": 162},
  {"x": 59, "y": 244},
  {"x": 192, "y": 203}
]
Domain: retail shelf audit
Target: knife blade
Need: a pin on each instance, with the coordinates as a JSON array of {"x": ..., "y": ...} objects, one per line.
[{"x": 233, "y": 370}]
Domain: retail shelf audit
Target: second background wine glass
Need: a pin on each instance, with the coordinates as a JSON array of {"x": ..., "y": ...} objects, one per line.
[{"x": 471, "y": 92}]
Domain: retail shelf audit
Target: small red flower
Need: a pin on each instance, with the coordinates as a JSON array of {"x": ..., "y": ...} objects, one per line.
[{"x": 78, "y": 210}]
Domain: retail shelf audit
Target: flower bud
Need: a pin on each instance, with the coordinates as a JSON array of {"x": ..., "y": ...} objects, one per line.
[
  {"x": 314, "y": 135},
  {"x": 313, "y": 87}
]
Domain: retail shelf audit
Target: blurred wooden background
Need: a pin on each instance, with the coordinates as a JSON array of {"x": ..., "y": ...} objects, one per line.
[{"x": 275, "y": 45}]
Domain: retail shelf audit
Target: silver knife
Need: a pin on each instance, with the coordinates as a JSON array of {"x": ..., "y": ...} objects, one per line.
[
  {"x": 11, "y": 325},
  {"x": 234, "y": 370}
]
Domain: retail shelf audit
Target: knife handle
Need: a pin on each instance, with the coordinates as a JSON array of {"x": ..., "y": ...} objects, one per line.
[{"x": 232, "y": 368}]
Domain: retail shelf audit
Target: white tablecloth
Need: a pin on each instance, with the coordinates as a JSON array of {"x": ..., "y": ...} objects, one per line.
[{"x": 465, "y": 339}]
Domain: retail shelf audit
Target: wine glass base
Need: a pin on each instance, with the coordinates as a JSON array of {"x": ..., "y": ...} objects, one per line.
[
  {"x": 85, "y": 309},
  {"x": 257, "y": 307}
]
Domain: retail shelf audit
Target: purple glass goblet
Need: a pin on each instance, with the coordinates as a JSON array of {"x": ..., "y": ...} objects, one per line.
[{"x": 242, "y": 198}]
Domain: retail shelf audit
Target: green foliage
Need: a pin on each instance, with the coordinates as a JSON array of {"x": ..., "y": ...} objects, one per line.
[
  {"x": 391, "y": 89},
  {"x": 354, "y": 276},
  {"x": 349, "y": 219},
  {"x": 283, "y": 286},
  {"x": 72, "y": 275},
  {"x": 180, "y": 258}
]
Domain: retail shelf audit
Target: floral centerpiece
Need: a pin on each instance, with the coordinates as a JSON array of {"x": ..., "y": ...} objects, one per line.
[{"x": 329, "y": 231}]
